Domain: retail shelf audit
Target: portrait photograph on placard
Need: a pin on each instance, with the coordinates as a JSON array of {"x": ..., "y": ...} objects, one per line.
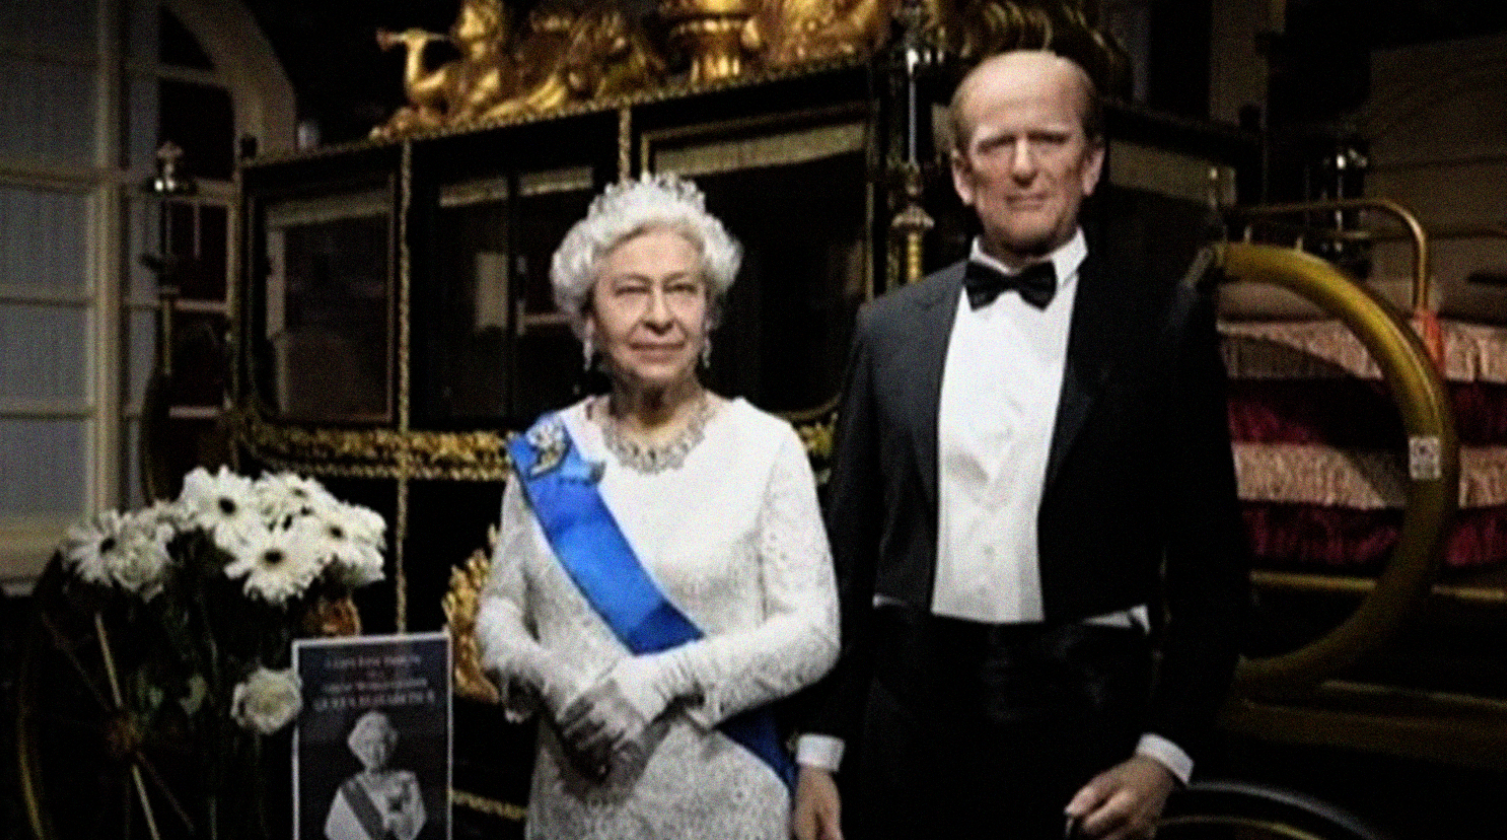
[{"x": 371, "y": 758}]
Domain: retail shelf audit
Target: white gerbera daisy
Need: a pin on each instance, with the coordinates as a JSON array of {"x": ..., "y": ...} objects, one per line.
[
  {"x": 285, "y": 495},
  {"x": 223, "y": 504},
  {"x": 173, "y": 515},
  {"x": 90, "y": 547},
  {"x": 343, "y": 537},
  {"x": 364, "y": 524},
  {"x": 277, "y": 563}
]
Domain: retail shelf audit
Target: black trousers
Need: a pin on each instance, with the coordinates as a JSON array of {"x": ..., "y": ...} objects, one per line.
[{"x": 986, "y": 731}]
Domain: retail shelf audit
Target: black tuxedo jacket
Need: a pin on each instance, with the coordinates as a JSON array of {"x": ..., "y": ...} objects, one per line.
[{"x": 1139, "y": 504}]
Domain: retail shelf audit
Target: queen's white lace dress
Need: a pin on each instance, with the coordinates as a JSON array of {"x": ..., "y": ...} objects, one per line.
[{"x": 733, "y": 538}]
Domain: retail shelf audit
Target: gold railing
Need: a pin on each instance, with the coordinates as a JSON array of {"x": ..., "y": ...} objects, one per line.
[
  {"x": 1304, "y": 697},
  {"x": 1433, "y": 463},
  {"x": 1422, "y": 273}
]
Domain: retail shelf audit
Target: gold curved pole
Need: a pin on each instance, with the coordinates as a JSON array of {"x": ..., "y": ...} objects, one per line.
[
  {"x": 1421, "y": 273},
  {"x": 1434, "y": 461}
]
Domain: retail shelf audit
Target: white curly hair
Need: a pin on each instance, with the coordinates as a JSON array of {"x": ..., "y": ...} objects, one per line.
[
  {"x": 627, "y": 209},
  {"x": 370, "y": 728}
]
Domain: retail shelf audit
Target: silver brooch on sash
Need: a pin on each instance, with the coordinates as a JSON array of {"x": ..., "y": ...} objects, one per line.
[
  {"x": 547, "y": 437},
  {"x": 551, "y": 445}
]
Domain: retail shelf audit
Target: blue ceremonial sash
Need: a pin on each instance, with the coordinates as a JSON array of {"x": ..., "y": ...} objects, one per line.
[{"x": 562, "y": 489}]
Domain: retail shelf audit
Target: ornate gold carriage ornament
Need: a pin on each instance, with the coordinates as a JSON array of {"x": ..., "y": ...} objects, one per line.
[
  {"x": 562, "y": 56},
  {"x": 460, "y": 604}
]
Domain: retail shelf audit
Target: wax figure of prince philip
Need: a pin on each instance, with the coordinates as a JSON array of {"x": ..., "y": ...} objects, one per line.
[{"x": 1032, "y": 502}]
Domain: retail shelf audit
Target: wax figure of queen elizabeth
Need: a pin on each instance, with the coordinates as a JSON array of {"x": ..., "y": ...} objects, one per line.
[{"x": 662, "y": 572}]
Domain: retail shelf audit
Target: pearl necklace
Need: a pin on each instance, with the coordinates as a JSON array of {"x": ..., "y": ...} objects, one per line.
[{"x": 670, "y": 455}]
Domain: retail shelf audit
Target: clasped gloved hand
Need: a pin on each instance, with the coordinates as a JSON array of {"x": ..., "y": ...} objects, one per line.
[{"x": 607, "y": 719}]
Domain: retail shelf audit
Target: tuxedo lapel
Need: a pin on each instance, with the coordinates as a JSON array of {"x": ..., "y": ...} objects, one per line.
[
  {"x": 932, "y": 331},
  {"x": 1092, "y": 336}
]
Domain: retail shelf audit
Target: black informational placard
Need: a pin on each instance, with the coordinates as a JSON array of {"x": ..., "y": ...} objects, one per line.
[{"x": 372, "y": 752}]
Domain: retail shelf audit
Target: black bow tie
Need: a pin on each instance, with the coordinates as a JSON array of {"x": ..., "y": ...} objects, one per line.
[{"x": 1035, "y": 283}]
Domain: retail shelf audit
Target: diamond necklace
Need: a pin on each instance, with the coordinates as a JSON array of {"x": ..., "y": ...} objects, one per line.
[{"x": 669, "y": 455}]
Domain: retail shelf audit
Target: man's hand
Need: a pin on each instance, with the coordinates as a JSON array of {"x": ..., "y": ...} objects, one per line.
[
  {"x": 1124, "y": 802},
  {"x": 817, "y": 807}
]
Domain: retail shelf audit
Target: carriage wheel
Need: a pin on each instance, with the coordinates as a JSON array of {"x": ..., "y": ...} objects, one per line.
[{"x": 88, "y": 768}]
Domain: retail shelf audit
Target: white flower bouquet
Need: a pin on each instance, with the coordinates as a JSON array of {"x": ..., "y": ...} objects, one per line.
[{"x": 205, "y": 594}]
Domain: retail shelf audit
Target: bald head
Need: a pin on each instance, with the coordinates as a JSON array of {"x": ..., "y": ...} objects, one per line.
[
  {"x": 1026, "y": 151},
  {"x": 1003, "y": 70}
]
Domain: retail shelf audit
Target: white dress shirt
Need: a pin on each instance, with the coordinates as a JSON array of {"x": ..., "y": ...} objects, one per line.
[{"x": 1000, "y": 387}]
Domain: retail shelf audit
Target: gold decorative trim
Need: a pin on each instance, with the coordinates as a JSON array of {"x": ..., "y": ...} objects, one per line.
[
  {"x": 811, "y": 134},
  {"x": 234, "y": 279},
  {"x": 609, "y": 103},
  {"x": 487, "y": 805},
  {"x": 404, "y": 332},
  {"x": 460, "y": 604},
  {"x": 375, "y": 453},
  {"x": 1435, "y": 726},
  {"x": 815, "y": 428},
  {"x": 912, "y": 222},
  {"x": 716, "y": 155},
  {"x": 450, "y": 456}
]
